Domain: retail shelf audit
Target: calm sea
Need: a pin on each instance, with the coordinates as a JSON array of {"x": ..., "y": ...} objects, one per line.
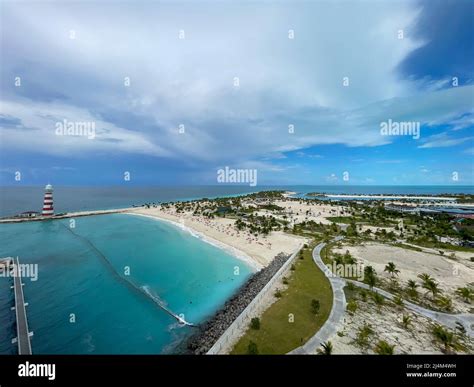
[{"x": 82, "y": 301}]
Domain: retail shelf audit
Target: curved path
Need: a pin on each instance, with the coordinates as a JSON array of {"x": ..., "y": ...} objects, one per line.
[{"x": 336, "y": 317}]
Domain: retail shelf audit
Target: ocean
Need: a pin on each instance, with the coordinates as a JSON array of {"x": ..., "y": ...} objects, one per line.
[
  {"x": 85, "y": 299},
  {"x": 100, "y": 284}
]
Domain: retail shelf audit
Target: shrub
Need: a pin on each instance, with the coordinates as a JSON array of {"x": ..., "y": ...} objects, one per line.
[
  {"x": 445, "y": 303},
  {"x": 350, "y": 286},
  {"x": 378, "y": 298},
  {"x": 466, "y": 293},
  {"x": 278, "y": 293},
  {"x": 445, "y": 337},
  {"x": 406, "y": 320},
  {"x": 384, "y": 348},
  {"x": 315, "y": 306},
  {"x": 252, "y": 348},
  {"x": 255, "y": 323},
  {"x": 352, "y": 306},
  {"x": 326, "y": 348},
  {"x": 363, "y": 334},
  {"x": 398, "y": 300}
]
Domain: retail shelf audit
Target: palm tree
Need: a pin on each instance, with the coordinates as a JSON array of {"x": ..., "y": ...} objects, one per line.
[
  {"x": 431, "y": 286},
  {"x": 363, "y": 334},
  {"x": 460, "y": 328},
  {"x": 446, "y": 337},
  {"x": 425, "y": 277},
  {"x": 398, "y": 300},
  {"x": 384, "y": 348},
  {"x": 370, "y": 276},
  {"x": 445, "y": 303},
  {"x": 412, "y": 285},
  {"x": 326, "y": 348},
  {"x": 406, "y": 320},
  {"x": 378, "y": 298},
  {"x": 466, "y": 293},
  {"x": 392, "y": 269}
]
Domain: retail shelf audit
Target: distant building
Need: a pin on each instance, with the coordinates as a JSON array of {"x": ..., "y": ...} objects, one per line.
[
  {"x": 402, "y": 208},
  {"x": 461, "y": 217},
  {"x": 28, "y": 214}
]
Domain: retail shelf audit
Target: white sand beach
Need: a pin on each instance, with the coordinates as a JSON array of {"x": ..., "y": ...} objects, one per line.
[{"x": 301, "y": 211}]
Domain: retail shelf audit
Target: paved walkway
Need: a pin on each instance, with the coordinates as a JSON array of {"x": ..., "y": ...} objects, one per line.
[{"x": 336, "y": 318}]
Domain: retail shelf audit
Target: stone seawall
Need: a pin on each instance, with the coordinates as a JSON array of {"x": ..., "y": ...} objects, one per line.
[{"x": 211, "y": 330}]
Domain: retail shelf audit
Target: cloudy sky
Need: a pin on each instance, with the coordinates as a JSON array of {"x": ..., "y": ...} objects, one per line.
[{"x": 295, "y": 90}]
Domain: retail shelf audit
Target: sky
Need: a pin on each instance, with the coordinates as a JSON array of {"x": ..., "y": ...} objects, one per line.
[{"x": 298, "y": 91}]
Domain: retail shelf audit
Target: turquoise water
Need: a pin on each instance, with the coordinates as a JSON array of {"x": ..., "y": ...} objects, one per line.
[{"x": 190, "y": 276}]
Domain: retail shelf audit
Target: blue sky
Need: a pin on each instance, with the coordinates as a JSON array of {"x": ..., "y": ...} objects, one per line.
[{"x": 72, "y": 60}]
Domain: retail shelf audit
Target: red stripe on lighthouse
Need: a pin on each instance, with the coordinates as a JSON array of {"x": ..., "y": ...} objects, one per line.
[{"x": 48, "y": 209}]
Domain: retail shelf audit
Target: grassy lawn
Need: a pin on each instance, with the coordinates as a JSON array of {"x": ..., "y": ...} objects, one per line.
[
  {"x": 325, "y": 253},
  {"x": 277, "y": 335}
]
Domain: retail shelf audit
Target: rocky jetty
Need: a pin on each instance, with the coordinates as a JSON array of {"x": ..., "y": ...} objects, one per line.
[{"x": 212, "y": 329}]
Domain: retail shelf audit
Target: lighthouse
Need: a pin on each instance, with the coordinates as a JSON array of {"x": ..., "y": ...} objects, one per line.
[{"x": 48, "y": 209}]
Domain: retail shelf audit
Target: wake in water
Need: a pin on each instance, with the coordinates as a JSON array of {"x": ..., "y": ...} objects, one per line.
[{"x": 144, "y": 290}]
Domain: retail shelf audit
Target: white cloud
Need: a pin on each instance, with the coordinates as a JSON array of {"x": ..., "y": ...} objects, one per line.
[
  {"x": 190, "y": 81},
  {"x": 332, "y": 178},
  {"x": 38, "y": 132},
  {"x": 443, "y": 140}
]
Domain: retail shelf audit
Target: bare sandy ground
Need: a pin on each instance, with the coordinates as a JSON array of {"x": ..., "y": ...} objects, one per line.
[
  {"x": 261, "y": 250},
  {"x": 449, "y": 273},
  {"x": 300, "y": 212},
  {"x": 386, "y": 323}
]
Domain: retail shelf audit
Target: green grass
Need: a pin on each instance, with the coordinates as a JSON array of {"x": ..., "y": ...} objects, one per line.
[
  {"x": 277, "y": 335},
  {"x": 325, "y": 253}
]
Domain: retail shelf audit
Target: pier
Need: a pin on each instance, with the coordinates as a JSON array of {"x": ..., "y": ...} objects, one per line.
[
  {"x": 23, "y": 334},
  {"x": 65, "y": 215}
]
